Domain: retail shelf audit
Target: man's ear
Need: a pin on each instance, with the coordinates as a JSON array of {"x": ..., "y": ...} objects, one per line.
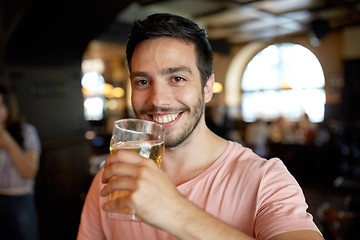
[{"x": 208, "y": 88}]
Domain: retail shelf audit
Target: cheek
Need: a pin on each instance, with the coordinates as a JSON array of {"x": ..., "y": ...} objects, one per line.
[
  {"x": 189, "y": 95},
  {"x": 137, "y": 100},
  {"x": 133, "y": 102}
]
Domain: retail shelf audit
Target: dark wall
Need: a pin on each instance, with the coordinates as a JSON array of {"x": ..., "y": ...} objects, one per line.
[
  {"x": 351, "y": 93},
  {"x": 51, "y": 99}
]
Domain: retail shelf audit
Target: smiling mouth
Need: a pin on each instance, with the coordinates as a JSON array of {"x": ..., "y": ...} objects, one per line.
[{"x": 164, "y": 118}]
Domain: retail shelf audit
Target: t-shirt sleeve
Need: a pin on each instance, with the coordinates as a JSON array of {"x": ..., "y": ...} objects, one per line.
[
  {"x": 282, "y": 206},
  {"x": 90, "y": 223},
  {"x": 31, "y": 138}
]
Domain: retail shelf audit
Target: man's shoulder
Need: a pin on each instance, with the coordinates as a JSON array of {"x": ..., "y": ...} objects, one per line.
[
  {"x": 241, "y": 157},
  {"x": 238, "y": 152}
]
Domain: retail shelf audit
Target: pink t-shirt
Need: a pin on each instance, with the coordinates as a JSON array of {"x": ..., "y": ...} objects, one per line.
[{"x": 257, "y": 196}]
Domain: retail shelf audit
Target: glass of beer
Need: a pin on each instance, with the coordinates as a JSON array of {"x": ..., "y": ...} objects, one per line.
[{"x": 141, "y": 136}]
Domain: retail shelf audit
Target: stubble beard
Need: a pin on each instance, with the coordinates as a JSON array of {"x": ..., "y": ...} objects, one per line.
[{"x": 176, "y": 141}]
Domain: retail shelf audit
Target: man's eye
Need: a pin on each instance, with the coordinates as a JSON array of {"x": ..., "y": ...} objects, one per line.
[
  {"x": 142, "y": 82},
  {"x": 178, "y": 79}
]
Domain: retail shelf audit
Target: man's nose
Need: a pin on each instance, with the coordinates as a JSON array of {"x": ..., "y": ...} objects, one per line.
[{"x": 160, "y": 94}]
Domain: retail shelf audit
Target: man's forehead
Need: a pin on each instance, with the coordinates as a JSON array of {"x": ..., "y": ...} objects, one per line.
[
  {"x": 165, "y": 44},
  {"x": 171, "y": 54}
]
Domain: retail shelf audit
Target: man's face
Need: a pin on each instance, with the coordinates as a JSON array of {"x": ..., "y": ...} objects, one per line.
[{"x": 166, "y": 86}]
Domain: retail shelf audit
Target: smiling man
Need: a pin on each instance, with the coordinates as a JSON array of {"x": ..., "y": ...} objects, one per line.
[{"x": 207, "y": 187}]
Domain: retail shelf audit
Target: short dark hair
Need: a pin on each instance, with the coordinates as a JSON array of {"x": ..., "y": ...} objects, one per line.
[{"x": 168, "y": 25}]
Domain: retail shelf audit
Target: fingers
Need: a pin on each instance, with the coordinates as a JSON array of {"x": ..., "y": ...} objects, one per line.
[
  {"x": 118, "y": 169},
  {"x": 124, "y": 163},
  {"x": 118, "y": 183},
  {"x": 127, "y": 171},
  {"x": 120, "y": 163},
  {"x": 118, "y": 191},
  {"x": 126, "y": 156},
  {"x": 115, "y": 204}
]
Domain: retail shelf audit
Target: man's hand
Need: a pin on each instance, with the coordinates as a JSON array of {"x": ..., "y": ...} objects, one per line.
[{"x": 152, "y": 195}]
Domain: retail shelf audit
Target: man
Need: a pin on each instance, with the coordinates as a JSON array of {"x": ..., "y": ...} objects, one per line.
[{"x": 207, "y": 187}]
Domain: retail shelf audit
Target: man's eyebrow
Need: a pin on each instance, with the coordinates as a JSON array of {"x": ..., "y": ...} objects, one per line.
[
  {"x": 175, "y": 70},
  {"x": 138, "y": 74},
  {"x": 166, "y": 71}
]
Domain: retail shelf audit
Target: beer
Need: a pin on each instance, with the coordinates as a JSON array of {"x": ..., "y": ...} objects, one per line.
[{"x": 152, "y": 149}]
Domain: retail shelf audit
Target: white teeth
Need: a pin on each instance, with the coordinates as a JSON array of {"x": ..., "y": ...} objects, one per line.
[{"x": 165, "y": 118}]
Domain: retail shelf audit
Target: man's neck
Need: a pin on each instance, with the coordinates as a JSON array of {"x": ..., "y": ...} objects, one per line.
[{"x": 193, "y": 157}]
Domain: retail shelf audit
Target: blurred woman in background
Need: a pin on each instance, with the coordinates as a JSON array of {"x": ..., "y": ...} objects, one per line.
[{"x": 19, "y": 162}]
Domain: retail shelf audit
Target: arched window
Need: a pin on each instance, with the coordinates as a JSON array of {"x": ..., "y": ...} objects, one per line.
[{"x": 283, "y": 80}]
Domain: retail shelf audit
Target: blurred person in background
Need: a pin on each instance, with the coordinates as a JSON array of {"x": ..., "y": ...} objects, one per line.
[
  {"x": 256, "y": 136},
  {"x": 19, "y": 163},
  {"x": 306, "y": 131}
]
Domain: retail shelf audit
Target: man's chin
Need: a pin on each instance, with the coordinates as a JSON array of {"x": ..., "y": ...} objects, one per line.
[{"x": 172, "y": 144}]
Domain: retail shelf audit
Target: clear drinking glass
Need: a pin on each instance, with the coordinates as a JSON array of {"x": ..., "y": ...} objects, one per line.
[{"x": 143, "y": 137}]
